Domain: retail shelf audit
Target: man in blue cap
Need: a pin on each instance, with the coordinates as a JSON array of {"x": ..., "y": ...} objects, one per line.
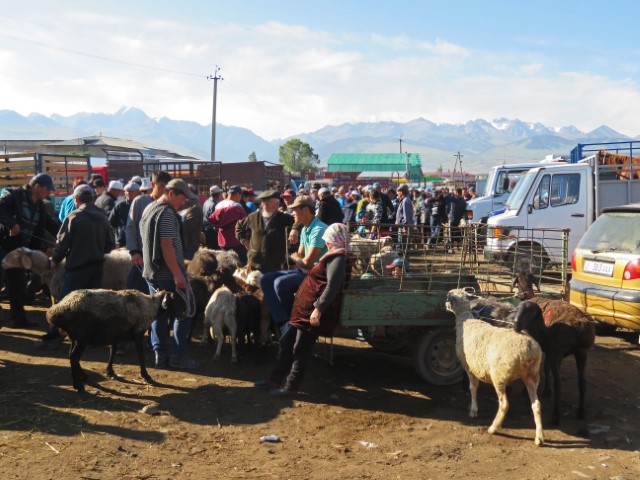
[{"x": 23, "y": 222}]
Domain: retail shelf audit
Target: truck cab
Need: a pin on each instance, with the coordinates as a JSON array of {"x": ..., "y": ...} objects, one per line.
[
  {"x": 565, "y": 196},
  {"x": 500, "y": 183}
]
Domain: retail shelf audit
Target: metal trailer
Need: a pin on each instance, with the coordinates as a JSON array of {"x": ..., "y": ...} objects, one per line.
[{"x": 403, "y": 310}]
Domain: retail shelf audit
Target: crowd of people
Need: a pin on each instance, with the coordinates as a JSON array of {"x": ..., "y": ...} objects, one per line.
[{"x": 299, "y": 241}]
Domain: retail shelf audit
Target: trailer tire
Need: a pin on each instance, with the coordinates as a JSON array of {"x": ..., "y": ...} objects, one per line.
[{"x": 435, "y": 358}]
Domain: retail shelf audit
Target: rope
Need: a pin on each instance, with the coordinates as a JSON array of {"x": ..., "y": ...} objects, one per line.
[{"x": 189, "y": 300}]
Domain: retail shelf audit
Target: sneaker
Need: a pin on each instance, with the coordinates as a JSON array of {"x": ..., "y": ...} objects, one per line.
[
  {"x": 282, "y": 392},
  {"x": 265, "y": 385},
  {"x": 185, "y": 363}
]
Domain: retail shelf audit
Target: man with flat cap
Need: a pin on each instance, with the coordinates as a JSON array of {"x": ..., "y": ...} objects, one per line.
[{"x": 264, "y": 233}]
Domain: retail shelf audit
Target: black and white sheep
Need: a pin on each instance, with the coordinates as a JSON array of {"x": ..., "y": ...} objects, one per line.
[
  {"x": 569, "y": 331},
  {"x": 497, "y": 356},
  {"x": 106, "y": 317},
  {"x": 117, "y": 265}
]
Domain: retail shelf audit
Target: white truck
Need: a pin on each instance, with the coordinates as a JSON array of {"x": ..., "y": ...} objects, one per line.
[
  {"x": 501, "y": 181},
  {"x": 565, "y": 196}
]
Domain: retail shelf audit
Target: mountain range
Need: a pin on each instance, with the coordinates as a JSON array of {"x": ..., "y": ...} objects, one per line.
[{"x": 481, "y": 143}]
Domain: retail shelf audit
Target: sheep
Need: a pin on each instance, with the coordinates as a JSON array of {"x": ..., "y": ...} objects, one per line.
[
  {"x": 496, "y": 356},
  {"x": 220, "y": 313},
  {"x": 117, "y": 265},
  {"x": 217, "y": 264},
  {"x": 106, "y": 317},
  {"x": 248, "y": 317},
  {"x": 569, "y": 331}
]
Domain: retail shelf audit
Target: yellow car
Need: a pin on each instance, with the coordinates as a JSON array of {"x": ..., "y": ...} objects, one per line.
[{"x": 605, "y": 268}]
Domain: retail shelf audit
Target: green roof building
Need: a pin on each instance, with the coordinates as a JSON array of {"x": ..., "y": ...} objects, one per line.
[{"x": 393, "y": 163}]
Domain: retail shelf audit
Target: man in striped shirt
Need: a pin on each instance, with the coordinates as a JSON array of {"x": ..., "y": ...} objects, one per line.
[{"x": 164, "y": 269}]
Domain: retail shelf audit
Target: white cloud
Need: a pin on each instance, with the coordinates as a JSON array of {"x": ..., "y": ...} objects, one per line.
[{"x": 282, "y": 79}]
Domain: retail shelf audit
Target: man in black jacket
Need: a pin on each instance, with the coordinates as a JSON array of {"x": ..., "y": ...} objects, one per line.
[
  {"x": 24, "y": 220},
  {"x": 84, "y": 238},
  {"x": 329, "y": 209}
]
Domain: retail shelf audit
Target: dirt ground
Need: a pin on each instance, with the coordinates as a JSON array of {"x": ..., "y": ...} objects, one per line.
[{"x": 366, "y": 417}]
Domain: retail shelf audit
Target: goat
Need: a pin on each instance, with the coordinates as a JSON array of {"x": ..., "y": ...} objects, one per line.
[
  {"x": 221, "y": 313},
  {"x": 569, "y": 331},
  {"x": 497, "y": 356},
  {"x": 105, "y": 317}
]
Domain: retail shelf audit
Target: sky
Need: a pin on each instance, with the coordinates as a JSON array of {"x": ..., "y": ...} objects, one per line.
[{"x": 292, "y": 67}]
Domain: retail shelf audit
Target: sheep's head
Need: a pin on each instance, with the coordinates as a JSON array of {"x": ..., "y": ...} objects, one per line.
[
  {"x": 459, "y": 300},
  {"x": 18, "y": 258},
  {"x": 254, "y": 277},
  {"x": 528, "y": 317},
  {"x": 175, "y": 303},
  {"x": 525, "y": 281}
]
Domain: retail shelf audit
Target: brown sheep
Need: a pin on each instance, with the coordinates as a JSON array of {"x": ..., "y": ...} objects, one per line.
[{"x": 569, "y": 332}]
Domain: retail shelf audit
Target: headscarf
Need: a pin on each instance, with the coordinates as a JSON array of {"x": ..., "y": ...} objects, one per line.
[{"x": 337, "y": 235}]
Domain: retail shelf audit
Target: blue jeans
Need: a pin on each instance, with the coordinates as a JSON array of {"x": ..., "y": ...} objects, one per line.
[
  {"x": 279, "y": 290},
  {"x": 436, "y": 225},
  {"x": 160, "y": 326}
]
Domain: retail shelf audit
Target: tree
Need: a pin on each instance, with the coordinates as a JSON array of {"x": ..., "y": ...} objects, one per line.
[
  {"x": 253, "y": 157},
  {"x": 298, "y": 156}
]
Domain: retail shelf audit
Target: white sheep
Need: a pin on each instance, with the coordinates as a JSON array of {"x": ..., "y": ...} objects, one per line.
[
  {"x": 117, "y": 265},
  {"x": 497, "y": 356},
  {"x": 221, "y": 313},
  {"x": 106, "y": 317}
]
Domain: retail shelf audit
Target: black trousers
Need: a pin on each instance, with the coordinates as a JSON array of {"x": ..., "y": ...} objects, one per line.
[
  {"x": 296, "y": 351},
  {"x": 16, "y": 282}
]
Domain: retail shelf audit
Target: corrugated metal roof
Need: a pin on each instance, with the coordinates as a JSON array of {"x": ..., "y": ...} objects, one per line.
[{"x": 379, "y": 162}]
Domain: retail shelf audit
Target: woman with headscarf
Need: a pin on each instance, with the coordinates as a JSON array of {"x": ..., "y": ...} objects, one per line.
[{"x": 315, "y": 312}]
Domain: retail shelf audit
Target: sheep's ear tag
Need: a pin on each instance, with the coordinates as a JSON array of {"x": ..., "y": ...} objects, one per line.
[{"x": 26, "y": 261}]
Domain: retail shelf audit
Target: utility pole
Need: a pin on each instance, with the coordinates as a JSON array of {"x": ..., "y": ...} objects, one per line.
[
  {"x": 215, "y": 77},
  {"x": 458, "y": 161},
  {"x": 400, "y": 139}
]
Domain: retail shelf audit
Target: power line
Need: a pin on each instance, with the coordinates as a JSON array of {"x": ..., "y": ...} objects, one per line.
[
  {"x": 42, "y": 26},
  {"x": 98, "y": 57}
]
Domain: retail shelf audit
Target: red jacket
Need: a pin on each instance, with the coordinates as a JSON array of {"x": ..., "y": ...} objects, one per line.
[{"x": 224, "y": 218}]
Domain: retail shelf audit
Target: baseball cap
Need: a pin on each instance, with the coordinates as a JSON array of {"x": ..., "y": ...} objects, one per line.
[
  {"x": 355, "y": 192},
  {"x": 403, "y": 188},
  {"x": 399, "y": 263},
  {"x": 44, "y": 180},
  {"x": 303, "y": 201},
  {"x": 323, "y": 191},
  {"x": 289, "y": 193},
  {"x": 136, "y": 179},
  {"x": 181, "y": 187},
  {"x": 249, "y": 192},
  {"x": 235, "y": 189},
  {"x": 115, "y": 185},
  {"x": 377, "y": 186},
  {"x": 215, "y": 189}
]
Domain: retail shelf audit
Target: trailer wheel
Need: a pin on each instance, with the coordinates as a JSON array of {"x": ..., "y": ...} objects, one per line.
[{"x": 435, "y": 357}]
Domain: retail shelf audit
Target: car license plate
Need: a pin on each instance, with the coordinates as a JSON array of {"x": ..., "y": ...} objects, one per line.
[{"x": 599, "y": 268}]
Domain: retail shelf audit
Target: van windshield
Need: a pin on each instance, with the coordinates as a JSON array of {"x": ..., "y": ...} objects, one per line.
[
  {"x": 613, "y": 232},
  {"x": 519, "y": 193}
]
